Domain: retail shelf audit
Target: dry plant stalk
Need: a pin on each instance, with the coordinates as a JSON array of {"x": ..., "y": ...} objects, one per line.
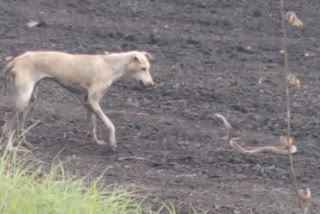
[
  {"x": 284, "y": 148},
  {"x": 293, "y": 19}
]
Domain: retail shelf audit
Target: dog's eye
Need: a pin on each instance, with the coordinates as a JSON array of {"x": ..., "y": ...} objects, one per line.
[{"x": 143, "y": 69}]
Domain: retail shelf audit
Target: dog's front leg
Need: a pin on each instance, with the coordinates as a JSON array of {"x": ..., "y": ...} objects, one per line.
[{"x": 99, "y": 113}]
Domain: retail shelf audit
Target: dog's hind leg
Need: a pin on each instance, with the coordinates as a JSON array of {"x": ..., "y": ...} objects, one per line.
[
  {"x": 91, "y": 117},
  {"x": 92, "y": 132},
  {"x": 9, "y": 125},
  {"x": 34, "y": 93},
  {"x": 17, "y": 119},
  {"x": 93, "y": 101}
]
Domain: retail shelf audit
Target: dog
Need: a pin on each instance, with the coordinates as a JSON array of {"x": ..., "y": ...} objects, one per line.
[{"x": 90, "y": 73}]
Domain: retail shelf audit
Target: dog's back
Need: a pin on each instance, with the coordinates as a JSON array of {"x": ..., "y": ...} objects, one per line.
[{"x": 75, "y": 69}]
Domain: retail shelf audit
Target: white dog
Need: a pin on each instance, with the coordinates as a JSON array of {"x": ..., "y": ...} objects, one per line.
[{"x": 92, "y": 73}]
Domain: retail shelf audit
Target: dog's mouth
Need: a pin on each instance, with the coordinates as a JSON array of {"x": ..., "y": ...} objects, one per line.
[{"x": 142, "y": 84}]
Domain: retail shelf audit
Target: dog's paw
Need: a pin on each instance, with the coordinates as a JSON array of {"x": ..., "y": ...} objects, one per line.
[
  {"x": 101, "y": 142},
  {"x": 114, "y": 147}
]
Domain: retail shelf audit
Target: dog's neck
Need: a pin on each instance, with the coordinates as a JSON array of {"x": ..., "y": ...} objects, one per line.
[{"x": 118, "y": 62}]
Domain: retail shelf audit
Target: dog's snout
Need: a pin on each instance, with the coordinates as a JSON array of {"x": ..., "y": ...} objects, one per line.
[
  {"x": 149, "y": 84},
  {"x": 146, "y": 84}
]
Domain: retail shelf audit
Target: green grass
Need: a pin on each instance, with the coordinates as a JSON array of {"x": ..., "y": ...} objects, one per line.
[{"x": 24, "y": 189}]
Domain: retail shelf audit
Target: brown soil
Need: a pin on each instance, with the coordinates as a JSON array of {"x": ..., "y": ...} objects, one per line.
[{"x": 170, "y": 143}]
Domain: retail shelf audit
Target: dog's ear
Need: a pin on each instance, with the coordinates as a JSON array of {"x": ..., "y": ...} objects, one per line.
[
  {"x": 148, "y": 55},
  {"x": 135, "y": 59}
]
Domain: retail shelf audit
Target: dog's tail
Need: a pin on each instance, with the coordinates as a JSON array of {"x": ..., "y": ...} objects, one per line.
[{"x": 6, "y": 70}]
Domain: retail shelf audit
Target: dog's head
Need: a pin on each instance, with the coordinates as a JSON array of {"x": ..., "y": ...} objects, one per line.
[{"x": 139, "y": 68}]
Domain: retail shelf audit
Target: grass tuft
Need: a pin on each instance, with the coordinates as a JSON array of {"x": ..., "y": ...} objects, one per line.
[{"x": 24, "y": 189}]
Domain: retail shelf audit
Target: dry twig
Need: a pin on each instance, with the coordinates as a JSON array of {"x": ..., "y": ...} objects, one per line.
[{"x": 132, "y": 158}]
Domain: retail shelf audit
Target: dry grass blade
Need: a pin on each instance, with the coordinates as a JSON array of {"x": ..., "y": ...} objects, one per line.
[
  {"x": 305, "y": 194},
  {"x": 132, "y": 158},
  {"x": 293, "y": 19},
  {"x": 32, "y": 24}
]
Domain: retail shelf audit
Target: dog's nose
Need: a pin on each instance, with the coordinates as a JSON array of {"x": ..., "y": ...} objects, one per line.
[
  {"x": 146, "y": 84},
  {"x": 150, "y": 84}
]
